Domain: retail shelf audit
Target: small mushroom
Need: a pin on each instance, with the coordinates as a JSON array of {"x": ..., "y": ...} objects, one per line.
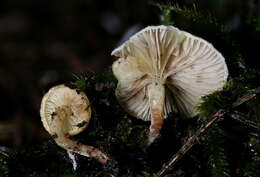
[
  {"x": 162, "y": 69},
  {"x": 66, "y": 112}
]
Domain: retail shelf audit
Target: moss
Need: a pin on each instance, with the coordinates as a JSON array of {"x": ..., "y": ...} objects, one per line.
[
  {"x": 124, "y": 138},
  {"x": 218, "y": 165},
  {"x": 253, "y": 18},
  {"x": 80, "y": 82},
  {"x": 165, "y": 17},
  {"x": 4, "y": 170},
  {"x": 193, "y": 14},
  {"x": 233, "y": 89},
  {"x": 252, "y": 168}
]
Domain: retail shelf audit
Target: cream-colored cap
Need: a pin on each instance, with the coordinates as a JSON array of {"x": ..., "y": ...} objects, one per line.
[
  {"x": 162, "y": 69},
  {"x": 71, "y": 106},
  {"x": 188, "y": 67}
]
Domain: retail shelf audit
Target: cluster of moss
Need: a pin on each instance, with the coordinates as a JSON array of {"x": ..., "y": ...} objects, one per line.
[
  {"x": 4, "y": 171},
  {"x": 228, "y": 145},
  {"x": 121, "y": 136}
]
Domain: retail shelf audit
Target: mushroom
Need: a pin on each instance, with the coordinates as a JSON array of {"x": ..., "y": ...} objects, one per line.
[
  {"x": 162, "y": 69},
  {"x": 65, "y": 111}
]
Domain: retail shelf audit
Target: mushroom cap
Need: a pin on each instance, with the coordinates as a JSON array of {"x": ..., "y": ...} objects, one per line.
[
  {"x": 188, "y": 67},
  {"x": 69, "y": 105}
]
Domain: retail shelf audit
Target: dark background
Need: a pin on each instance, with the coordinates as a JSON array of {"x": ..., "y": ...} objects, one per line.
[{"x": 43, "y": 42}]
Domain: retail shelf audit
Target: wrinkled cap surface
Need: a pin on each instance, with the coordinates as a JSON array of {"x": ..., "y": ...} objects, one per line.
[
  {"x": 69, "y": 105},
  {"x": 187, "y": 66}
]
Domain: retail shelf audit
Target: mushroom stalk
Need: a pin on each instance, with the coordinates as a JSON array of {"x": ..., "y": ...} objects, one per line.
[
  {"x": 191, "y": 66},
  {"x": 66, "y": 142},
  {"x": 156, "y": 94},
  {"x": 65, "y": 112}
]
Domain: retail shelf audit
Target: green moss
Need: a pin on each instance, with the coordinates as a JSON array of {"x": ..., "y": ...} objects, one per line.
[
  {"x": 233, "y": 89},
  {"x": 193, "y": 14},
  {"x": 253, "y": 18},
  {"x": 124, "y": 138},
  {"x": 165, "y": 17},
  {"x": 217, "y": 160},
  {"x": 106, "y": 76},
  {"x": 252, "y": 168},
  {"x": 80, "y": 82},
  {"x": 4, "y": 170}
]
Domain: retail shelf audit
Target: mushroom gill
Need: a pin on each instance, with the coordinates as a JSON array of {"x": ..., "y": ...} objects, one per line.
[
  {"x": 66, "y": 112},
  {"x": 162, "y": 69}
]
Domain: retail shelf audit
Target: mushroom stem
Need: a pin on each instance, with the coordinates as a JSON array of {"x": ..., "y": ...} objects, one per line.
[
  {"x": 156, "y": 94},
  {"x": 66, "y": 142}
]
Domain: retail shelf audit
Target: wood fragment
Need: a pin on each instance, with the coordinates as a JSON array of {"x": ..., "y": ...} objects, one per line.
[
  {"x": 210, "y": 121},
  {"x": 246, "y": 97},
  {"x": 4, "y": 153},
  {"x": 190, "y": 142},
  {"x": 243, "y": 119}
]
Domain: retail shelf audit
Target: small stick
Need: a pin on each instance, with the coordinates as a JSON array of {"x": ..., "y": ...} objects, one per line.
[
  {"x": 246, "y": 97},
  {"x": 190, "y": 142},
  {"x": 241, "y": 118},
  {"x": 193, "y": 139},
  {"x": 4, "y": 153}
]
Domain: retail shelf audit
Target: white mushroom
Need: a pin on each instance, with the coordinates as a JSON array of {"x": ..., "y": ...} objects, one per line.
[
  {"x": 66, "y": 112},
  {"x": 162, "y": 69}
]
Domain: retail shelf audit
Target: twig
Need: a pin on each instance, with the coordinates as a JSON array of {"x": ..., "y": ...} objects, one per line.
[
  {"x": 193, "y": 139},
  {"x": 242, "y": 118},
  {"x": 246, "y": 97},
  {"x": 254, "y": 134},
  {"x": 4, "y": 153},
  {"x": 190, "y": 142}
]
